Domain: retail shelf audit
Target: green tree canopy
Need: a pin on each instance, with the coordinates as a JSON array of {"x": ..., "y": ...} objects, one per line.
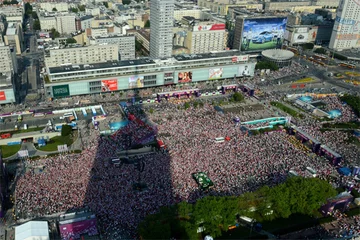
[
  {"x": 126, "y": 2},
  {"x": 106, "y": 4},
  {"x": 147, "y": 24},
  {"x": 74, "y": 10},
  {"x": 66, "y": 130},
  {"x": 353, "y": 101},
  {"x": 266, "y": 65},
  {"x": 34, "y": 15},
  {"x": 36, "y": 25},
  {"x": 54, "y": 9},
  {"x": 54, "y": 33},
  {"x": 237, "y": 97},
  {"x": 82, "y": 8},
  {"x": 70, "y": 40}
]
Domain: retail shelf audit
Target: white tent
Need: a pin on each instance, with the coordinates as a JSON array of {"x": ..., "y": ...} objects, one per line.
[{"x": 33, "y": 230}]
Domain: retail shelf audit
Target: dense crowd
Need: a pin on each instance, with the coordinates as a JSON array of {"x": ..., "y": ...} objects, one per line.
[{"x": 89, "y": 179}]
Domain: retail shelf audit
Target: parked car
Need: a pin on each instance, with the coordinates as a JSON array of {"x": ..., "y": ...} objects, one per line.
[{"x": 263, "y": 37}]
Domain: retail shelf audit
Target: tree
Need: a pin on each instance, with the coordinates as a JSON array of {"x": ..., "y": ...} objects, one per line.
[
  {"x": 34, "y": 15},
  {"x": 36, "y": 25},
  {"x": 126, "y": 2},
  {"x": 106, "y": 4},
  {"x": 147, "y": 24},
  {"x": 237, "y": 97},
  {"x": 28, "y": 9},
  {"x": 54, "y": 33},
  {"x": 138, "y": 45},
  {"x": 74, "y": 10},
  {"x": 186, "y": 105},
  {"x": 70, "y": 41},
  {"x": 81, "y": 8},
  {"x": 266, "y": 65},
  {"x": 54, "y": 9},
  {"x": 66, "y": 130}
]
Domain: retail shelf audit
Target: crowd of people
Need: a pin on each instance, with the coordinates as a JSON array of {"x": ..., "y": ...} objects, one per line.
[{"x": 241, "y": 164}]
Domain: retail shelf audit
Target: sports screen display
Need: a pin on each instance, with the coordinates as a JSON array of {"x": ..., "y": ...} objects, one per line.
[
  {"x": 136, "y": 81},
  {"x": 215, "y": 73},
  {"x": 2, "y": 96},
  {"x": 263, "y": 33},
  {"x": 184, "y": 77}
]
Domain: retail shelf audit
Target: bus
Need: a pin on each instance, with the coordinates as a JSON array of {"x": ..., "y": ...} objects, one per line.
[
  {"x": 219, "y": 140},
  {"x": 348, "y": 65},
  {"x": 319, "y": 57}
]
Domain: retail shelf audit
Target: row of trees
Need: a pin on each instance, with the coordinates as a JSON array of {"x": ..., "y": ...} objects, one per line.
[
  {"x": 215, "y": 214},
  {"x": 353, "y": 101},
  {"x": 266, "y": 65}
]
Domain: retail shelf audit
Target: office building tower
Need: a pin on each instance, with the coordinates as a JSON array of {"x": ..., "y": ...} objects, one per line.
[
  {"x": 346, "y": 29},
  {"x": 161, "y": 25}
]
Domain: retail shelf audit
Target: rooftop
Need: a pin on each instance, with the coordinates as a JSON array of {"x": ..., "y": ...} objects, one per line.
[
  {"x": 110, "y": 64},
  {"x": 187, "y": 57},
  {"x": 11, "y": 31}
]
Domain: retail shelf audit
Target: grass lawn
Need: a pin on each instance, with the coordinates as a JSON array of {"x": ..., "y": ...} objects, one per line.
[
  {"x": 58, "y": 140},
  {"x": 287, "y": 109},
  {"x": 8, "y": 151},
  {"x": 24, "y": 130},
  {"x": 305, "y": 80}
]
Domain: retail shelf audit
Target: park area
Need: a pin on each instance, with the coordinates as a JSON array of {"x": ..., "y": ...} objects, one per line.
[
  {"x": 53, "y": 143},
  {"x": 8, "y": 151},
  {"x": 287, "y": 109}
]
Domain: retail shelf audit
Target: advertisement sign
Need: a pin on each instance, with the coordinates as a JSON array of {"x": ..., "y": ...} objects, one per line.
[
  {"x": 215, "y": 73},
  {"x": 243, "y": 58},
  {"x": 301, "y": 37},
  {"x": 2, "y": 96},
  {"x": 184, "y": 77},
  {"x": 246, "y": 70},
  {"x": 136, "y": 81},
  {"x": 109, "y": 85},
  {"x": 302, "y": 30},
  {"x": 213, "y": 27},
  {"x": 263, "y": 33},
  {"x": 61, "y": 91}
]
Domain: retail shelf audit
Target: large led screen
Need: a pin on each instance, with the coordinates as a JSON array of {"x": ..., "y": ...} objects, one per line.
[
  {"x": 215, "y": 73},
  {"x": 247, "y": 70},
  {"x": 263, "y": 33},
  {"x": 136, "y": 81},
  {"x": 109, "y": 85},
  {"x": 184, "y": 77}
]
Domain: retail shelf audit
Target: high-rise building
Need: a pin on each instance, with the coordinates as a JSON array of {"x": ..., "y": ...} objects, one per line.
[
  {"x": 161, "y": 24},
  {"x": 346, "y": 29}
]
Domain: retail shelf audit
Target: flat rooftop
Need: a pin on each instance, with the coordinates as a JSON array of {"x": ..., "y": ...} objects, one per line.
[
  {"x": 112, "y": 64},
  {"x": 186, "y": 57}
]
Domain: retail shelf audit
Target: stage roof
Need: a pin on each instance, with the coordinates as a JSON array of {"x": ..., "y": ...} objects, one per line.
[{"x": 33, "y": 230}]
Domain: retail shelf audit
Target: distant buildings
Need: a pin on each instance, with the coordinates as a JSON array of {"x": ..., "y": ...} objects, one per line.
[
  {"x": 345, "y": 34},
  {"x": 8, "y": 69},
  {"x": 161, "y": 24},
  {"x": 14, "y": 36},
  {"x": 81, "y": 55},
  {"x": 13, "y": 13},
  {"x": 63, "y": 23},
  {"x": 125, "y": 43}
]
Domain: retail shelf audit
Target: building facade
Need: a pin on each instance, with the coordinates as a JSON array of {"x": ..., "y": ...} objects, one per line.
[
  {"x": 125, "y": 43},
  {"x": 180, "y": 13},
  {"x": 81, "y": 55},
  {"x": 206, "y": 38},
  {"x": 161, "y": 24},
  {"x": 123, "y": 75},
  {"x": 346, "y": 31},
  {"x": 65, "y": 24},
  {"x": 8, "y": 68},
  {"x": 47, "y": 23},
  {"x": 49, "y": 6}
]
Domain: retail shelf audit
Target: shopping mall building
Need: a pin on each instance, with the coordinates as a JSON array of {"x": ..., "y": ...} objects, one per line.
[{"x": 71, "y": 80}]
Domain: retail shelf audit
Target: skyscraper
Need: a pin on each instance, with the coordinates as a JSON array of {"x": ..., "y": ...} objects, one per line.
[
  {"x": 161, "y": 25},
  {"x": 346, "y": 29}
]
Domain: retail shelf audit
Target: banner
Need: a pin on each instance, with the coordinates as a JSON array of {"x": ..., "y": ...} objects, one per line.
[
  {"x": 2, "y": 96},
  {"x": 215, "y": 73},
  {"x": 61, "y": 91},
  {"x": 136, "y": 81},
  {"x": 184, "y": 77},
  {"x": 109, "y": 85}
]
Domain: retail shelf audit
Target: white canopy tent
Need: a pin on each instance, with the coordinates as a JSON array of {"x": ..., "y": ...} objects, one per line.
[{"x": 33, "y": 230}]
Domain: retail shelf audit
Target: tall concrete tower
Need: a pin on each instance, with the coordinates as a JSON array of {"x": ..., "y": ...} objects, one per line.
[
  {"x": 161, "y": 28},
  {"x": 346, "y": 31}
]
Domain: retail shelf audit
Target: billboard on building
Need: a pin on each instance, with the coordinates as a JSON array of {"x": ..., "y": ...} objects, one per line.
[
  {"x": 247, "y": 70},
  {"x": 263, "y": 33},
  {"x": 300, "y": 37},
  {"x": 2, "y": 96},
  {"x": 184, "y": 77},
  {"x": 211, "y": 27},
  {"x": 61, "y": 91},
  {"x": 109, "y": 85},
  {"x": 215, "y": 73},
  {"x": 136, "y": 81}
]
